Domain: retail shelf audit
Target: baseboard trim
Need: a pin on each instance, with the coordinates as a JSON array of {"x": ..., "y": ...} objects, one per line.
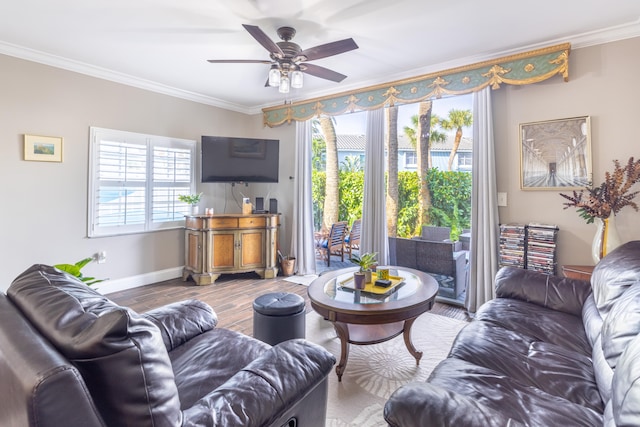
[{"x": 109, "y": 286}]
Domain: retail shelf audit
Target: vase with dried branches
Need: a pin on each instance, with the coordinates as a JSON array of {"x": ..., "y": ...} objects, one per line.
[{"x": 601, "y": 203}]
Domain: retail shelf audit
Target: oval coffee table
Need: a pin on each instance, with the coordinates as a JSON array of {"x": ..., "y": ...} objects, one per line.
[{"x": 364, "y": 318}]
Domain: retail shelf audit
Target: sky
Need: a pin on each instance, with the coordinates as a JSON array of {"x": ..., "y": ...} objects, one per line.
[{"x": 355, "y": 123}]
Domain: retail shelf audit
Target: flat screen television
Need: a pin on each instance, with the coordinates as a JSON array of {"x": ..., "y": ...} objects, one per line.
[{"x": 229, "y": 159}]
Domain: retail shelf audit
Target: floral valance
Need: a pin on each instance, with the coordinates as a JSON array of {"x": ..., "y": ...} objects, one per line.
[{"x": 519, "y": 69}]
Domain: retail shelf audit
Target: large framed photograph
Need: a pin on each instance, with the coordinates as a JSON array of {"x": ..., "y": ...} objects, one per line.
[
  {"x": 555, "y": 154},
  {"x": 42, "y": 148}
]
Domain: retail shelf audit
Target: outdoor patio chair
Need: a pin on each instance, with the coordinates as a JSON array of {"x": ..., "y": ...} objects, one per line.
[
  {"x": 352, "y": 241},
  {"x": 436, "y": 234},
  {"x": 334, "y": 243}
]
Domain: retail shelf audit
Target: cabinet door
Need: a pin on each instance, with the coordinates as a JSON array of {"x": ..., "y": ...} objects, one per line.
[
  {"x": 252, "y": 248},
  {"x": 223, "y": 246},
  {"x": 194, "y": 251}
]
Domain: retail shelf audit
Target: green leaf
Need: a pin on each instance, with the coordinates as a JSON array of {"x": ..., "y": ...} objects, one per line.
[
  {"x": 83, "y": 262},
  {"x": 72, "y": 269}
]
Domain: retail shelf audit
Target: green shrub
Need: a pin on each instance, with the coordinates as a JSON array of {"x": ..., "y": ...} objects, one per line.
[
  {"x": 351, "y": 195},
  {"x": 450, "y": 199}
]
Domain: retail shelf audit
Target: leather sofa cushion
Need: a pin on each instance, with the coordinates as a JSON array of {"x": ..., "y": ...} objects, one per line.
[
  {"x": 602, "y": 371},
  {"x": 614, "y": 274},
  {"x": 621, "y": 325},
  {"x": 120, "y": 354},
  {"x": 523, "y": 403},
  {"x": 548, "y": 367},
  {"x": 625, "y": 396},
  {"x": 591, "y": 319},
  {"x": 560, "y": 294},
  {"x": 180, "y": 321},
  {"x": 543, "y": 324},
  {"x": 203, "y": 363}
]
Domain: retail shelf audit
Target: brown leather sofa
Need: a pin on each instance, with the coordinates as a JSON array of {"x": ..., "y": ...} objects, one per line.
[
  {"x": 548, "y": 351},
  {"x": 71, "y": 357}
]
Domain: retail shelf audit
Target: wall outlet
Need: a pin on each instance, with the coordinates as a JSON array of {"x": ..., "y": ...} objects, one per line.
[
  {"x": 101, "y": 257},
  {"x": 502, "y": 199}
]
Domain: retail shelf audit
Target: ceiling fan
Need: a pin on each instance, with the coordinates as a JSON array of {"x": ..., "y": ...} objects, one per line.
[{"x": 289, "y": 61}]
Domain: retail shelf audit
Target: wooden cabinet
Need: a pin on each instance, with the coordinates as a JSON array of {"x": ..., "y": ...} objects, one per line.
[
  {"x": 222, "y": 244},
  {"x": 582, "y": 272}
]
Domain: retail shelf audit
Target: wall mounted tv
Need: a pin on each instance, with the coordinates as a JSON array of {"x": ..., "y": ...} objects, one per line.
[{"x": 227, "y": 159}]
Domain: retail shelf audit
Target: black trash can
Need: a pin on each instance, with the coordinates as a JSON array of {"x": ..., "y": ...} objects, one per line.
[{"x": 278, "y": 317}]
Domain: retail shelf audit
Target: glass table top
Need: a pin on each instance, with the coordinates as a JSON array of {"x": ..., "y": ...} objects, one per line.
[{"x": 340, "y": 288}]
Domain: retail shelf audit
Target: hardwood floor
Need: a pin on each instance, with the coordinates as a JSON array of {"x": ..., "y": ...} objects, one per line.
[{"x": 231, "y": 297}]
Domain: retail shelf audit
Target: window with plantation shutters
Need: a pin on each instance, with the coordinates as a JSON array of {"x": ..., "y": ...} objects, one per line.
[{"x": 135, "y": 181}]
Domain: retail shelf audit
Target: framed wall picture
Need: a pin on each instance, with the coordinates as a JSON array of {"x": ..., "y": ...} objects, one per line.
[
  {"x": 42, "y": 148},
  {"x": 555, "y": 154}
]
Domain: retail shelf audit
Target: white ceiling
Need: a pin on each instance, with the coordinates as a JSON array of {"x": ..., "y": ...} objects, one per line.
[{"x": 163, "y": 45}]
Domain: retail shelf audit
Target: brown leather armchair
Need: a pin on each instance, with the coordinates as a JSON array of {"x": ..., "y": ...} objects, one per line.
[{"x": 71, "y": 357}]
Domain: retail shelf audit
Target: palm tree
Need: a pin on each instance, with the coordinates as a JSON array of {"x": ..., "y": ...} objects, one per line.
[
  {"x": 331, "y": 200},
  {"x": 351, "y": 164},
  {"x": 457, "y": 120},
  {"x": 392, "y": 168},
  {"x": 435, "y": 137},
  {"x": 423, "y": 136},
  {"x": 318, "y": 148}
]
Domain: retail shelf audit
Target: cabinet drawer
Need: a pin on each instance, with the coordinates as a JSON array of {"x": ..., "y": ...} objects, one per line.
[
  {"x": 252, "y": 222},
  {"x": 194, "y": 222},
  {"x": 223, "y": 222}
]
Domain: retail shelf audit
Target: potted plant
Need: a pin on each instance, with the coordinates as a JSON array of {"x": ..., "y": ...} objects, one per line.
[
  {"x": 74, "y": 270},
  {"x": 366, "y": 261},
  {"x": 191, "y": 199},
  {"x": 601, "y": 204}
]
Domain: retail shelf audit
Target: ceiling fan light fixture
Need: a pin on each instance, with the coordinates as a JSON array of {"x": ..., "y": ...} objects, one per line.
[
  {"x": 284, "y": 84},
  {"x": 288, "y": 60},
  {"x": 296, "y": 79},
  {"x": 274, "y": 76}
]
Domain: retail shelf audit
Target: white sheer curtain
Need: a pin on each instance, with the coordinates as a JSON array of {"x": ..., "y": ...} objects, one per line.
[
  {"x": 483, "y": 255},
  {"x": 302, "y": 241},
  {"x": 374, "y": 218}
]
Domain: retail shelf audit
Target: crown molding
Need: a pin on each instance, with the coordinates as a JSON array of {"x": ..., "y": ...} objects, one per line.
[
  {"x": 592, "y": 38},
  {"x": 114, "y": 76}
]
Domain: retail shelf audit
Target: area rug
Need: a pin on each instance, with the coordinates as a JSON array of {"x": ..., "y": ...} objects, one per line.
[
  {"x": 302, "y": 280},
  {"x": 375, "y": 371}
]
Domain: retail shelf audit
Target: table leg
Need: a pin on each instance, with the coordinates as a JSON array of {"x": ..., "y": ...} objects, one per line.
[
  {"x": 407, "y": 340},
  {"x": 343, "y": 333}
]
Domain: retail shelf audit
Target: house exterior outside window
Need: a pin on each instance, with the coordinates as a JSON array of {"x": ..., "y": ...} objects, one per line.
[
  {"x": 135, "y": 180},
  {"x": 464, "y": 160}
]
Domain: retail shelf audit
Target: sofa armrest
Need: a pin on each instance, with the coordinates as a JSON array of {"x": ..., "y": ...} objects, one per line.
[
  {"x": 180, "y": 321},
  {"x": 424, "y": 404},
  {"x": 262, "y": 391},
  {"x": 557, "y": 293}
]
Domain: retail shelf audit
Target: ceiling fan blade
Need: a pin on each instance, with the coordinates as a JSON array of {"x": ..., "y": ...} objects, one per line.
[
  {"x": 238, "y": 61},
  {"x": 329, "y": 49},
  {"x": 323, "y": 73},
  {"x": 264, "y": 40}
]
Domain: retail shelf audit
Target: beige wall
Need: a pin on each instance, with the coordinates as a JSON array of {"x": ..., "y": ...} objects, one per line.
[
  {"x": 44, "y": 205},
  {"x": 604, "y": 85}
]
